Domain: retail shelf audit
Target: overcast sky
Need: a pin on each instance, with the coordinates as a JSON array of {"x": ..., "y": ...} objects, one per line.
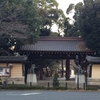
[{"x": 63, "y": 4}]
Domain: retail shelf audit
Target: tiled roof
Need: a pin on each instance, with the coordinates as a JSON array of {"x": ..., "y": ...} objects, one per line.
[
  {"x": 13, "y": 58},
  {"x": 57, "y": 44},
  {"x": 93, "y": 59}
]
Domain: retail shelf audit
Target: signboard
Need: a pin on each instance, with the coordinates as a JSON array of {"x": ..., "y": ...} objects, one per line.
[{"x": 4, "y": 71}]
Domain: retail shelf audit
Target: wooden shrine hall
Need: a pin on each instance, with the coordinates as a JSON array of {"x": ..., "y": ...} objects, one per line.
[{"x": 57, "y": 48}]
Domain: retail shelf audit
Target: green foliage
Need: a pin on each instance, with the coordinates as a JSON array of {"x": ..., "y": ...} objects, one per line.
[
  {"x": 9, "y": 44},
  {"x": 21, "y": 87},
  {"x": 20, "y": 22},
  {"x": 86, "y": 23},
  {"x": 27, "y": 87},
  {"x": 37, "y": 87},
  {"x": 55, "y": 81},
  {"x": 92, "y": 87},
  {"x": 71, "y": 29},
  {"x": 89, "y": 23},
  {"x": 50, "y": 14},
  {"x": 71, "y": 6}
]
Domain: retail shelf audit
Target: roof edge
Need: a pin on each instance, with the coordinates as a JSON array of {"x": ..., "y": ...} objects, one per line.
[{"x": 43, "y": 38}]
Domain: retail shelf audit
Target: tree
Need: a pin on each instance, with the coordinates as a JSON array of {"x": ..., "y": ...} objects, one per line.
[
  {"x": 19, "y": 23},
  {"x": 89, "y": 23},
  {"x": 50, "y": 15},
  {"x": 56, "y": 81},
  {"x": 71, "y": 29}
]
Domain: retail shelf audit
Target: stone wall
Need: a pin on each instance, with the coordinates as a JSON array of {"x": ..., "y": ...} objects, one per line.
[
  {"x": 7, "y": 80},
  {"x": 93, "y": 81}
]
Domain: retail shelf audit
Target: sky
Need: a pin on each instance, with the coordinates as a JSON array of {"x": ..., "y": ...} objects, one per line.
[{"x": 63, "y": 4}]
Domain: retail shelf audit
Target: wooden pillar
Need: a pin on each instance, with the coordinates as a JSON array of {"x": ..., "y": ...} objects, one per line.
[
  {"x": 62, "y": 72},
  {"x": 41, "y": 69},
  {"x": 27, "y": 67},
  {"x": 68, "y": 69}
]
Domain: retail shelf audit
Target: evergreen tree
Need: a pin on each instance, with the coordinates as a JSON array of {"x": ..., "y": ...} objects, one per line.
[
  {"x": 19, "y": 23},
  {"x": 51, "y": 15},
  {"x": 89, "y": 24},
  {"x": 70, "y": 25},
  {"x": 55, "y": 81}
]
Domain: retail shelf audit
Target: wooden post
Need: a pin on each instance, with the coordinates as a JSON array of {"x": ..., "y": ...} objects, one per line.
[
  {"x": 68, "y": 69},
  {"x": 66, "y": 85},
  {"x": 0, "y": 80},
  {"x": 41, "y": 69},
  {"x": 48, "y": 84},
  {"x": 62, "y": 72}
]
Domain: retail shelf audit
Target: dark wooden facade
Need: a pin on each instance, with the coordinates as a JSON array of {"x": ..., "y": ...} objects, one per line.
[{"x": 57, "y": 48}]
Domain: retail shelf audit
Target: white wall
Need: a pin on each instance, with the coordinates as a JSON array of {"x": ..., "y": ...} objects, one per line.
[{"x": 96, "y": 71}]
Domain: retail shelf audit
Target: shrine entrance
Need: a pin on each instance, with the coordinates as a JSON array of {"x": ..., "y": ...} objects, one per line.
[{"x": 57, "y": 48}]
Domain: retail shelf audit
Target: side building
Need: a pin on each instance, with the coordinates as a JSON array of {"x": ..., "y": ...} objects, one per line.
[
  {"x": 95, "y": 70},
  {"x": 12, "y": 69}
]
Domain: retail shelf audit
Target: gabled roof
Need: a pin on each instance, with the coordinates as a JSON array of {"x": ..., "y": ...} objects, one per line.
[
  {"x": 64, "y": 44},
  {"x": 13, "y": 58}
]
